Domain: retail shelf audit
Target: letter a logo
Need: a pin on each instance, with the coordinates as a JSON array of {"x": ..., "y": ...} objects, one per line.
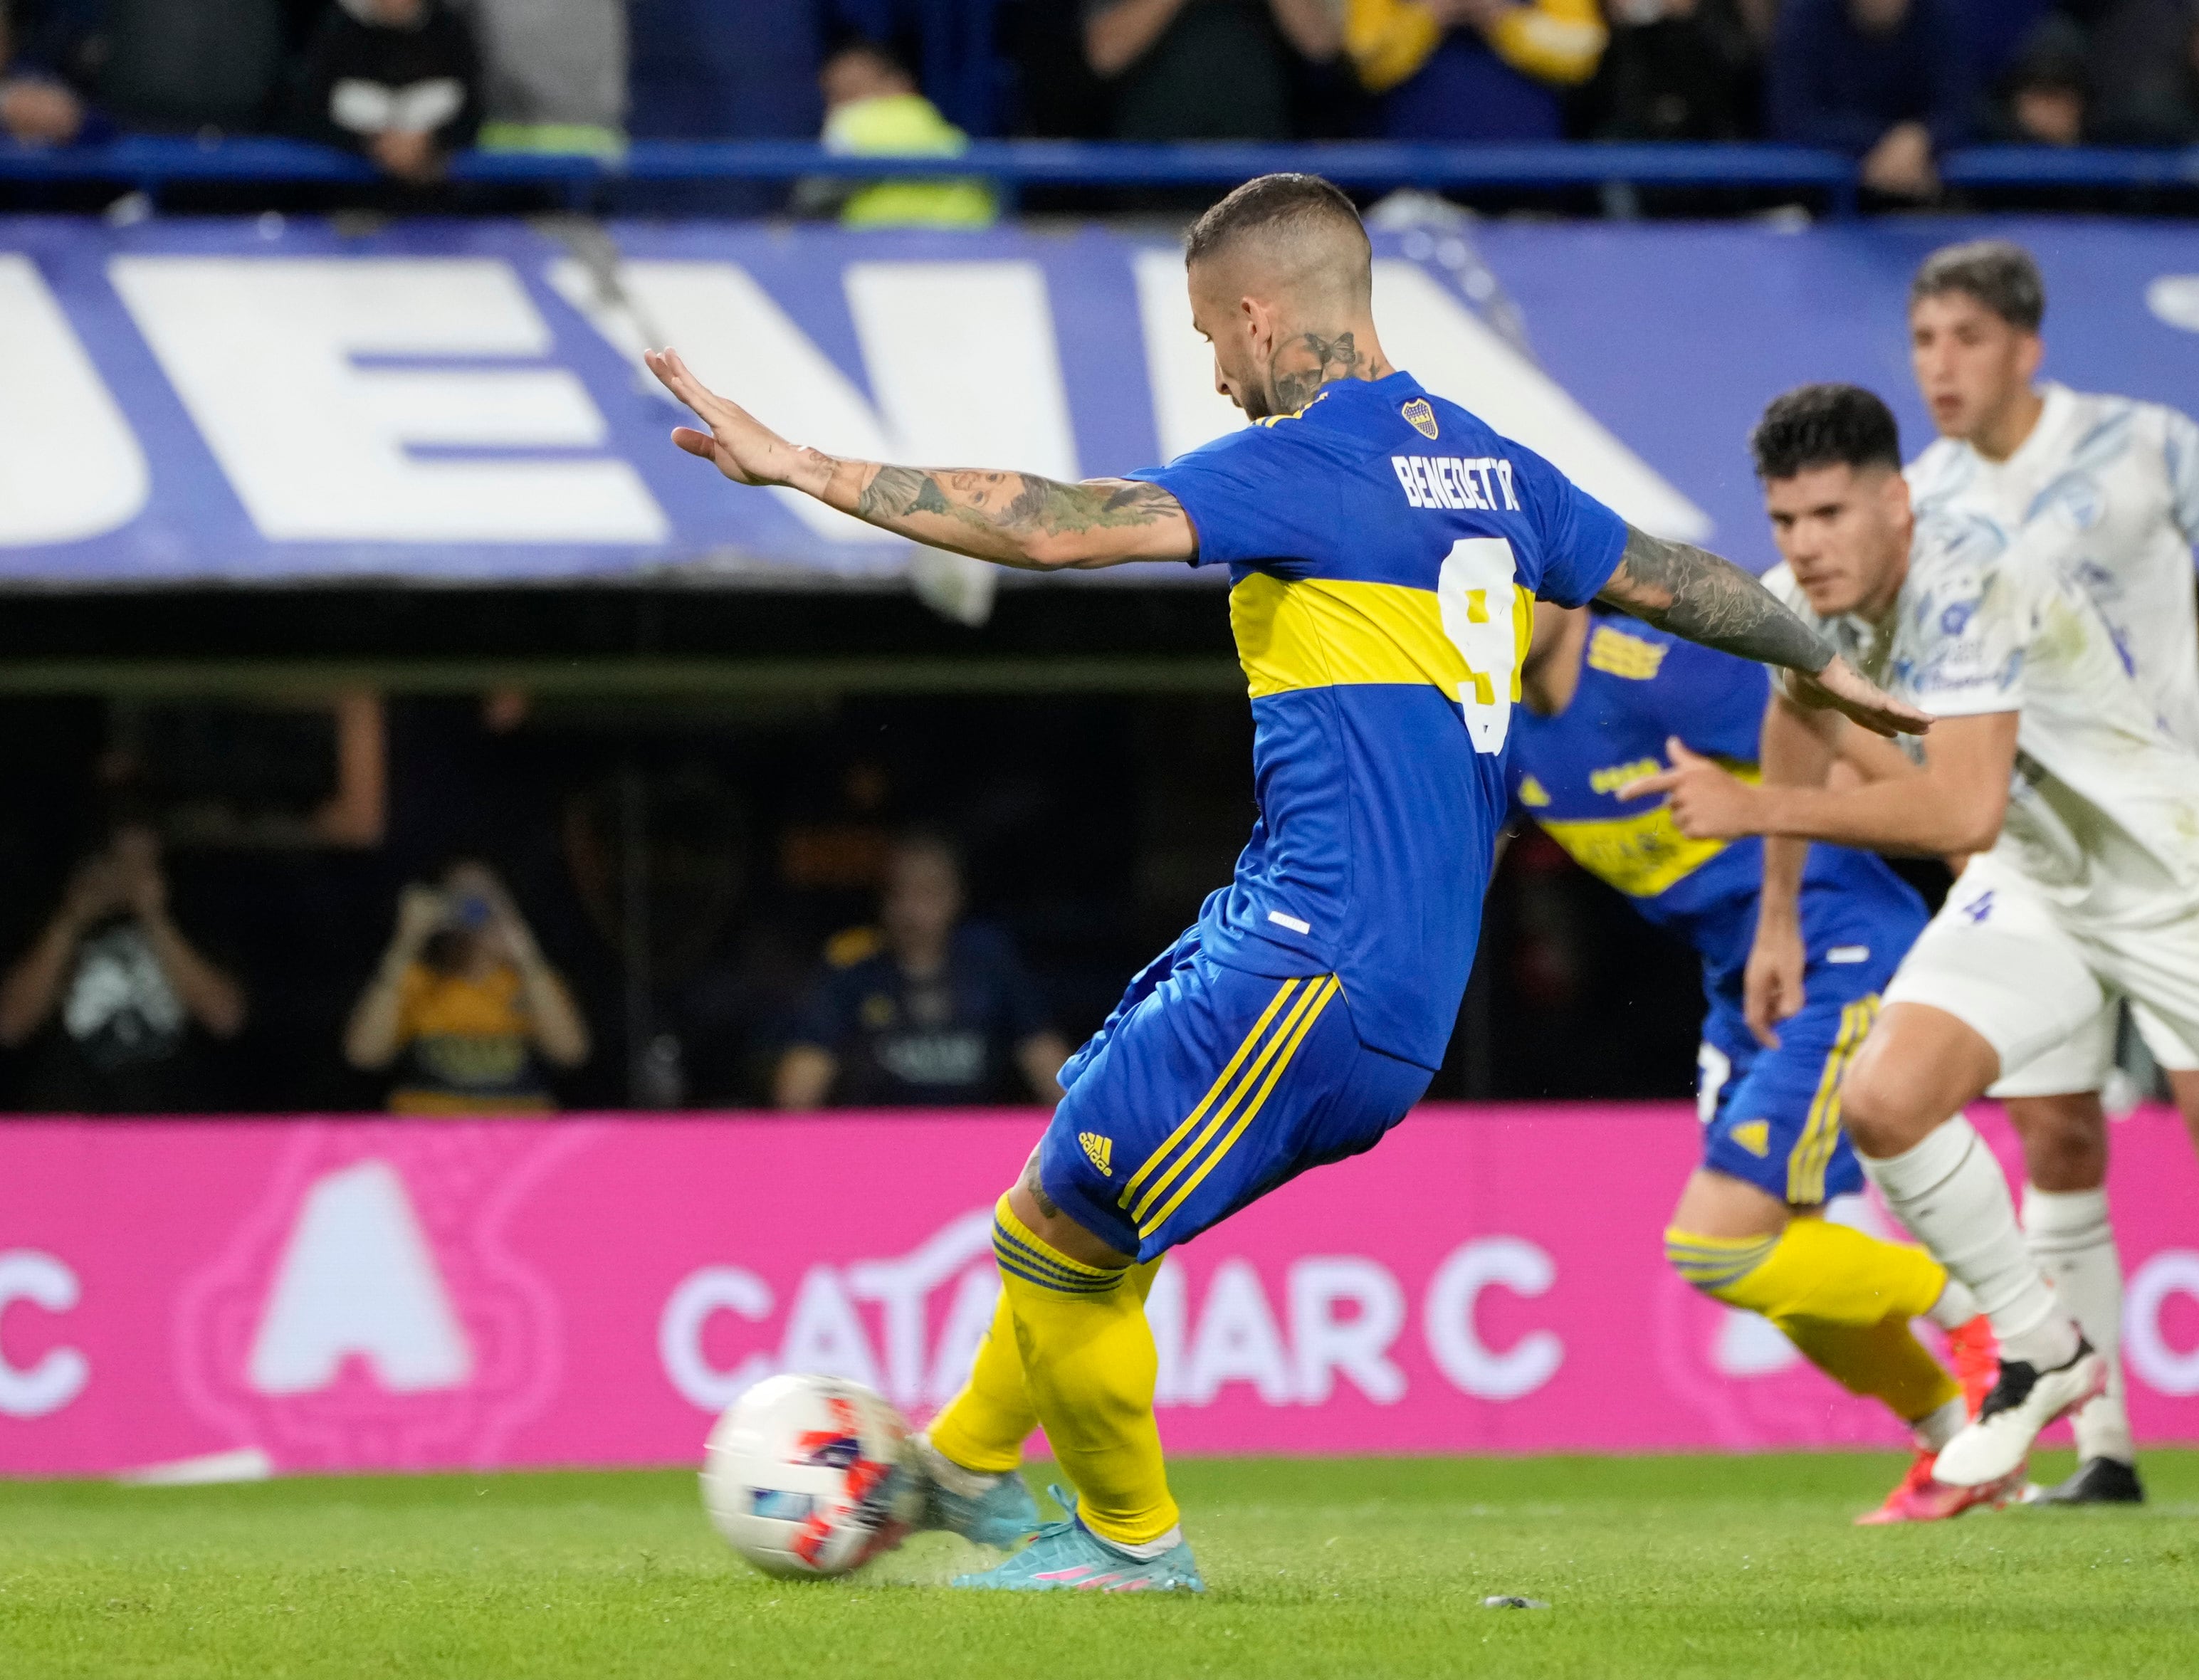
[{"x": 358, "y": 1277}]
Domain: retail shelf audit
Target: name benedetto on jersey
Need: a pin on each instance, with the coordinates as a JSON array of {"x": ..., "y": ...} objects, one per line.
[
  {"x": 2108, "y": 486},
  {"x": 2103, "y": 808}
]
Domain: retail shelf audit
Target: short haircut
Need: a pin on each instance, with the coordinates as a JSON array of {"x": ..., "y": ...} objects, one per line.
[
  {"x": 1999, "y": 275},
  {"x": 1278, "y": 206},
  {"x": 1816, "y": 426}
]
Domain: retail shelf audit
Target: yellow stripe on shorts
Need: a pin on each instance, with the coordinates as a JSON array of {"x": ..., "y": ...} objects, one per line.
[
  {"x": 1813, "y": 1152},
  {"x": 1221, "y": 1080},
  {"x": 1281, "y": 1049}
]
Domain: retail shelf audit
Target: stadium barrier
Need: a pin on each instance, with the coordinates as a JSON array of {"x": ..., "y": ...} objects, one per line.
[
  {"x": 151, "y": 164},
  {"x": 208, "y": 1297}
]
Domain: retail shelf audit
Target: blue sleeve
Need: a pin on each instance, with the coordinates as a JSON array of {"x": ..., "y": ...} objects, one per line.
[
  {"x": 1245, "y": 494},
  {"x": 1580, "y": 538}
]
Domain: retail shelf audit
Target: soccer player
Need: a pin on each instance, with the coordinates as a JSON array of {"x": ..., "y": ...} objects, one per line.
[
  {"x": 2051, "y": 770},
  {"x": 1603, "y": 693},
  {"x": 1383, "y": 547},
  {"x": 2110, "y": 488}
]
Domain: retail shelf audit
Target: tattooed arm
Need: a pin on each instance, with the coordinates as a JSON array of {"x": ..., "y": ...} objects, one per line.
[
  {"x": 1694, "y": 594},
  {"x": 1015, "y": 518}
]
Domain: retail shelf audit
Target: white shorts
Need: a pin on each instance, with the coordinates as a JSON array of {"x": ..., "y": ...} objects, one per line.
[{"x": 2043, "y": 993}]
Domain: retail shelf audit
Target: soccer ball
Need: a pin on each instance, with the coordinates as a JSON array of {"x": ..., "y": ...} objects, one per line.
[{"x": 811, "y": 1476}]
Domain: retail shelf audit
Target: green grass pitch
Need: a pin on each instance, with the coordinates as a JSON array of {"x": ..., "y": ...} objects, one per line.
[{"x": 1345, "y": 1568}]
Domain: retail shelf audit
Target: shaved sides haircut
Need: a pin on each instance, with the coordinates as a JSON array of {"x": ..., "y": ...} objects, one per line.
[{"x": 1300, "y": 224}]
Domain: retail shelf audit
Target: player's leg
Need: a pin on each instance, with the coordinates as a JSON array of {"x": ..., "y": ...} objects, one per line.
[{"x": 1993, "y": 981}]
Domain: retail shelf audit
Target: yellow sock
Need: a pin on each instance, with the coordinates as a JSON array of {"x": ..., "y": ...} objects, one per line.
[
  {"x": 1884, "y": 1361},
  {"x": 1814, "y": 1268},
  {"x": 984, "y": 1426},
  {"x": 1088, "y": 1364}
]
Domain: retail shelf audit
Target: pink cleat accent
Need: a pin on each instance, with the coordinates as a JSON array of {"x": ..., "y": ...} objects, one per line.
[
  {"x": 1975, "y": 1352},
  {"x": 1919, "y": 1498}
]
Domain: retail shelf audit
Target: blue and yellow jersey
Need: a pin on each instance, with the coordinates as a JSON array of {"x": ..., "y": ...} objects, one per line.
[
  {"x": 1385, "y": 549},
  {"x": 1639, "y": 687}
]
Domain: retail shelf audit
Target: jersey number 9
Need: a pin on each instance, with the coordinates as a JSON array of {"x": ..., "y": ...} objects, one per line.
[{"x": 1486, "y": 617}]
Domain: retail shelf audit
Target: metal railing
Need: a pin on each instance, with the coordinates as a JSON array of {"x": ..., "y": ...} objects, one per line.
[{"x": 151, "y": 165}]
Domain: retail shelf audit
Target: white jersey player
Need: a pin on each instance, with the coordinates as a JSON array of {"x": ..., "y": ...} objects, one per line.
[
  {"x": 2110, "y": 488},
  {"x": 2049, "y": 765}
]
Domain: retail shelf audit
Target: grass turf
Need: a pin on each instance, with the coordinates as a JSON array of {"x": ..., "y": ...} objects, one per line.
[{"x": 1667, "y": 1567}]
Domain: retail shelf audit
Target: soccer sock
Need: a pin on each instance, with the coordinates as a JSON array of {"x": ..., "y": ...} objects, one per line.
[
  {"x": 1949, "y": 1192},
  {"x": 984, "y": 1426},
  {"x": 1814, "y": 1268},
  {"x": 1884, "y": 1361},
  {"x": 2074, "y": 1244},
  {"x": 1936, "y": 1428},
  {"x": 1089, "y": 1365},
  {"x": 1956, "y": 1306}
]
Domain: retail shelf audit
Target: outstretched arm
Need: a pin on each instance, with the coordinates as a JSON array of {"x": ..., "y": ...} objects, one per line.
[
  {"x": 1694, "y": 594},
  {"x": 1014, "y": 518}
]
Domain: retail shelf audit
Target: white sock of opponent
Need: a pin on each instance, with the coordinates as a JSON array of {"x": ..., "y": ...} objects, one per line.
[
  {"x": 2074, "y": 1244},
  {"x": 1950, "y": 1193}
]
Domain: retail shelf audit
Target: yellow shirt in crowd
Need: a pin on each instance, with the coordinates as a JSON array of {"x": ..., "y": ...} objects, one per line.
[{"x": 468, "y": 1045}]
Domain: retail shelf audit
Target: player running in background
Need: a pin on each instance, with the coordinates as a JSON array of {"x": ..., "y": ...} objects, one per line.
[
  {"x": 2051, "y": 769},
  {"x": 1603, "y": 694},
  {"x": 2109, "y": 488},
  {"x": 1384, "y": 548}
]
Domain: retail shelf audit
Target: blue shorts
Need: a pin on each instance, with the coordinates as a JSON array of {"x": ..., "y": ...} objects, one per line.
[
  {"x": 1207, "y": 1088},
  {"x": 1772, "y": 1117}
]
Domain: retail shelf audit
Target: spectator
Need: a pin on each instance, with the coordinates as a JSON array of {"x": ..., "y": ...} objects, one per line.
[
  {"x": 2142, "y": 71},
  {"x": 1473, "y": 69},
  {"x": 872, "y": 108},
  {"x": 1676, "y": 70},
  {"x": 2043, "y": 102},
  {"x": 1888, "y": 80},
  {"x": 553, "y": 75},
  {"x": 920, "y": 1010},
  {"x": 1204, "y": 69},
  {"x": 37, "y": 104},
  {"x": 398, "y": 80},
  {"x": 464, "y": 996},
  {"x": 115, "y": 1004}
]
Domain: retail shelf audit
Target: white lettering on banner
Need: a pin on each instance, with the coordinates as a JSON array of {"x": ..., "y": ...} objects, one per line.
[
  {"x": 263, "y": 352},
  {"x": 1327, "y": 1342},
  {"x": 1750, "y": 1344},
  {"x": 70, "y": 467},
  {"x": 2173, "y": 1271},
  {"x": 1168, "y": 1307},
  {"x": 901, "y": 1287},
  {"x": 60, "y": 1374},
  {"x": 960, "y": 354},
  {"x": 1237, "y": 1341},
  {"x": 359, "y": 1278},
  {"x": 969, "y": 1316},
  {"x": 1453, "y": 352},
  {"x": 825, "y": 1334},
  {"x": 1447, "y": 1315},
  {"x": 700, "y": 1297}
]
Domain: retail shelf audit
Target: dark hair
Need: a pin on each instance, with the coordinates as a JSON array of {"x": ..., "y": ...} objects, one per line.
[
  {"x": 1824, "y": 426},
  {"x": 1283, "y": 203},
  {"x": 889, "y": 54},
  {"x": 1999, "y": 275}
]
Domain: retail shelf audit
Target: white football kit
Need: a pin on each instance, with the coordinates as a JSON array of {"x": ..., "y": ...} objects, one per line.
[
  {"x": 2109, "y": 487},
  {"x": 2091, "y": 892}
]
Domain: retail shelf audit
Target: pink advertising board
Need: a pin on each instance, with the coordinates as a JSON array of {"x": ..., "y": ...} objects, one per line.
[{"x": 369, "y": 1294}]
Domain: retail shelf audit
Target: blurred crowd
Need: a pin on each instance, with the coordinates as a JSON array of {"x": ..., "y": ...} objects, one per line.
[{"x": 407, "y": 82}]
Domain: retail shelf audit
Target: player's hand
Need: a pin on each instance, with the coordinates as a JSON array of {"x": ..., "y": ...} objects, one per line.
[
  {"x": 743, "y": 448},
  {"x": 1708, "y": 802},
  {"x": 1771, "y": 985},
  {"x": 1841, "y": 688}
]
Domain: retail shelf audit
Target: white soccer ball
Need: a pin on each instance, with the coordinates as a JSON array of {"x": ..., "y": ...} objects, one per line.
[{"x": 811, "y": 1476}]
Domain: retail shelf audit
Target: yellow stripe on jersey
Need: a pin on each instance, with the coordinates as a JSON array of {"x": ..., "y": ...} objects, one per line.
[
  {"x": 1325, "y": 633},
  {"x": 1813, "y": 1152},
  {"x": 1641, "y": 855},
  {"x": 1282, "y": 1047}
]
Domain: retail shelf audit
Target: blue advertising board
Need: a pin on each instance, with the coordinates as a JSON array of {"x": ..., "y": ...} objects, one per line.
[{"x": 272, "y": 399}]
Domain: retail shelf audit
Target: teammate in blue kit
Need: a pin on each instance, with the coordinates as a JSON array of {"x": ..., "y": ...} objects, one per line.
[
  {"x": 1384, "y": 548},
  {"x": 1604, "y": 694}
]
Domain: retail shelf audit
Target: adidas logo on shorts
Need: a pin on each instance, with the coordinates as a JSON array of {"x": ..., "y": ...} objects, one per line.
[{"x": 1100, "y": 1151}]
